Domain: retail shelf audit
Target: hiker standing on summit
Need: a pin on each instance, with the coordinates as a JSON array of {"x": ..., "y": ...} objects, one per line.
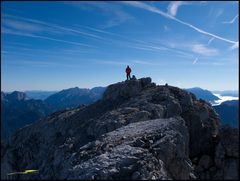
[{"x": 128, "y": 71}]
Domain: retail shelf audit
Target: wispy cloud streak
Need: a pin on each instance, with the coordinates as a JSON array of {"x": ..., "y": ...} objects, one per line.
[
  {"x": 210, "y": 41},
  {"x": 232, "y": 21},
  {"x": 43, "y": 64},
  {"x": 9, "y": 31},
  {"x": 25, "y": 26},
  {"x": 92, "y": 33},
  {"x": 235, "y": 46},
  {"x": 158, "y": 11},
  {"x": 113, "y": 63},
  {"x": 139, "y": 44},
  {"x": 55, "y": 26},
  {"x": 195, "y": 61},
  {"x": 117, "y": 15},
  {"x": 203, "y": 50},
  {"x": 173, "y": 7}
]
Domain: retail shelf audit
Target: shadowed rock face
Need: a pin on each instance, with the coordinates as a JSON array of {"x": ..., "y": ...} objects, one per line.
[
  {"x": 17, "y": 111},
  {"x": 16, "y": 96},
  {"x": 136, "y": 131},
  {"x": 229, "y": 113}
]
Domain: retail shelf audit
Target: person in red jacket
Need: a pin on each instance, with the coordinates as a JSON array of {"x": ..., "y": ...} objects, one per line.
[{"x": 128, "y": 71}]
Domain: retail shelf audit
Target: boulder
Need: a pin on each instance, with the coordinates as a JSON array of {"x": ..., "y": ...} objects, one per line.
[{"x": 126, "y": 89}]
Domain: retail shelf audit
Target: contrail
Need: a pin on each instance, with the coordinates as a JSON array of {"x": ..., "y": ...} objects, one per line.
[
  {"x": 53, "y": 26},
  {"x": 209, "y": 41},
  {"x": 195, "y": 61},
  {"x": 158, "y": 11},
  {"x": 232, "y": 21}
]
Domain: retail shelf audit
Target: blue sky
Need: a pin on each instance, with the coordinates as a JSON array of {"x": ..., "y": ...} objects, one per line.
[{"x": 58, "y": 45}]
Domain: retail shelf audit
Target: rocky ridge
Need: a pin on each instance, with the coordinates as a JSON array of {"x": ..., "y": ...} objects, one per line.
[{"x": 138, "y": 130}]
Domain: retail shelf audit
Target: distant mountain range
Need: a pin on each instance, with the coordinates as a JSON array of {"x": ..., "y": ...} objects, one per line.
[
  {"x": 203, "y": 94},
  {"x": 18, "y": 109},
  {"x": 73, "y": 97},
  {"x": 228, "y": 112},
  {"x": 137, "y": 131},
  {"x": 233, "y": 93},
  {"x": 22, "y": 108},
  {"x": 39, "y": 94}
]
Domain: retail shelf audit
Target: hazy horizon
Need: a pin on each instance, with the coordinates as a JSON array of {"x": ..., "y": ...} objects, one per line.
[
  {"x": 9, "y": 91},
  {"x": 89, "y": 44}
]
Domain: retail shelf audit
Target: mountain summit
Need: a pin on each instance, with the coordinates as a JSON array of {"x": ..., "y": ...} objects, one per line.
[
  {"x": 138, "y": 130},
  {"x": 203, "y": 94},
  {"x": 16, "y": 96},
  {"x": 73, "y": 97}
]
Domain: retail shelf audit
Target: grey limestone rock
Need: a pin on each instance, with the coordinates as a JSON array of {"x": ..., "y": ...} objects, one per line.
[{"x": 136, "y": 131}]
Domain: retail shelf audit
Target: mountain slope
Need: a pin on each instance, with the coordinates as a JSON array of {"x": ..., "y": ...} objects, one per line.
[
  {"x": 17, "y": 111},
  {"x": 203, "y": 94},
  {"x": 73, "y": 97},
  {"x": 136, "y": 131},
  {"x": 16, "y": 96},
  {"x": 231, "y": 103},
  {"x": 229, "y": 113},
  {"x": 39, "y": 94}
]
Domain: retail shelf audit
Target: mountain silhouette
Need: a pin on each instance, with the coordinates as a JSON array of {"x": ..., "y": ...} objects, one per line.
[
  {"x": 73, "y": 97},
  {"x": 18, "y": 110},
  {"x": 39, "y": 94},
  {"x": 229, "y": 113},
  {"x": 203, "y": 94}
]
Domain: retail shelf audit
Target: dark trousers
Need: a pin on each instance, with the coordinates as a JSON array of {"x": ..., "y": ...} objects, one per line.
[{"x": 128, "y": 76}]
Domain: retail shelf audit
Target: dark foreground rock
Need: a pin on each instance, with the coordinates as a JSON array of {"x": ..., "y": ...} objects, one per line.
[{"x": 136, "y": 131}]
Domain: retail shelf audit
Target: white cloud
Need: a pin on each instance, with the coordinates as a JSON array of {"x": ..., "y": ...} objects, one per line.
[
  {"x": 141, "y": 62},
  {"x": 235, "y": 46},
  {"x": 166, "y": 28},
  {"x": 133, "y": 43},
  {"x": 115, "y": 13},
  {"x": 42, "y": 64},
  {"x": 232, "y": 21},
  {"x": 195, "y": 61},
  {"x": 203, "y": 50},
  {"x": 25, "y": 26},
  {"x": 219, "y": 13},
  {"x": 14, "y": 32},
  {"x": 50, "y": 27},
  {"x": 120, "y": 17},
  {"x": 148, "y": 8},
  {"x": 118, "y": 63},
  {"x": 210, "y": 40},
  {"x": 139, "y": 44},
  {"x": 173, "y": 7},
  {"x": 158, "y": 11}
]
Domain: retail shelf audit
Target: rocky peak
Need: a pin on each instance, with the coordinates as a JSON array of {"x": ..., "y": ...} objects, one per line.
[
  {"x": 74, "y": 91},
  {"x": 16, "y": 96},
  {"x": 127, "y": 89},
  {"x": 138, "y": 130}
]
